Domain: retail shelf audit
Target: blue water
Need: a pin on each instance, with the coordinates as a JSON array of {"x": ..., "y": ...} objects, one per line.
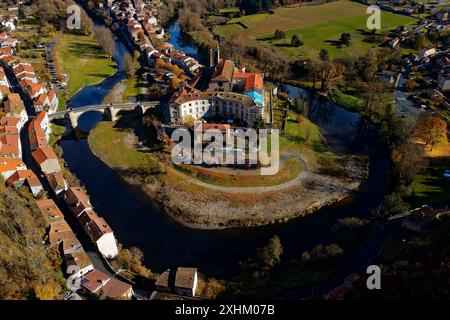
[
  {"x": 138, "y": 220},
  {"x": 180, "y": 42}
]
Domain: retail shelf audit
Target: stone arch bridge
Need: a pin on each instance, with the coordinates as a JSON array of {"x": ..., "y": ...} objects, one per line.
[{"x": 110, "y": 110}]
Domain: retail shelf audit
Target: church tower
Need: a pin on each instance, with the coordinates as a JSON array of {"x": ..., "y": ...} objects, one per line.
[{"x": 214, "y": 56}]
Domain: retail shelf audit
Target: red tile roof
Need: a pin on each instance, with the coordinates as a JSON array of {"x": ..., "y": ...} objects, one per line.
[
  {"x": 77, "y": 200},
  {"x": 49, "y": 210},
  {"x": 97, "y": 227},
  {"x": 24, "y": 83},
  {"x": 11, "y": 60},
  {"x": 10, "y": 164},
  {"x": 35, "y": 88},
  {"x": 22, "y": 175},
  {"x": 42, "y": 154},
  {"x": 14, "y": 103},
  {"x": 252, "y": 80},
  {"x": 97, "y": 282},
  {"x": 9, "y": 141},
  {"x": 4, "y": 89},
  {"x": 9, "y": 122},
  {"x": 35, "y": 133},
  {"x": 223, "y": 71},
  {"x": 210, "y": 126},
  {"x": 23, "y": 68}
]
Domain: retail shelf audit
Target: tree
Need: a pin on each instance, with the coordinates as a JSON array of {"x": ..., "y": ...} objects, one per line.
[
  {"x": 345, "y": 38},
  {"x": 189, "y": 121},
  {"x": 175, "y": 83},
  {"x": 432, "y": 130},
  {"x": 421, "y": 41},
  {"x": 324, "y": 55},
  {"x": 106, "y": 40},
  {"x": 393, "y": 204},
  {"x": 21, "y": 13},
  {"x": 87, "y": 26},
  {"x": 213, "y": 289},
  {"x": 409, "y": 161},
  {"x": 129, "y": 65},
  {"x": 279, "y": 34},
  {"x": 270, "y": 254},
  {"x": 295, "y": 41},
  {"x": 411, "y": 84},
  {"x": 131, "y": 261},
  {"x": 325, "y": 252},
  {"x": 47, "y": 291},
  {"x": 330, "y": 73},
  {"x": 348, "y": 224}
]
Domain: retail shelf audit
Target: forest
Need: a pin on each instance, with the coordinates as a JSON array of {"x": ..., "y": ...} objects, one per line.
[{"x": 28, "y": 268}]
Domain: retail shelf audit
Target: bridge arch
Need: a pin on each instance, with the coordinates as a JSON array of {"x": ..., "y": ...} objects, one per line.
[{"x": 111, "y": 111}]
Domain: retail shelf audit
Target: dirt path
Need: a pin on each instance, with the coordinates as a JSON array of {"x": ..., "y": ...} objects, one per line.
[{"x": 289, "y": 184}]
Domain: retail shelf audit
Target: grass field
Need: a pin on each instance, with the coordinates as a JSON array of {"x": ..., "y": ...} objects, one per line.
[
  {"x": 317, "y": 26},
  {"x": 431, "y": 187},
  {"x": 132, "y": 89},
  {"x": 82, "y": 59},
  {"x": 347, "y": 101},
  {"x": 229, "y": 10},
  {"x": 306, "y": 136},
  {"x": 114, "y": 147}
]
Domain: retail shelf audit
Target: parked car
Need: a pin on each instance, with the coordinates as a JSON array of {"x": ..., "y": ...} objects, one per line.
[{"x": 447, "y": 174}]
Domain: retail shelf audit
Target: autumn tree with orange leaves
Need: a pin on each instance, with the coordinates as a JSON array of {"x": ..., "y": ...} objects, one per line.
[{"x": 433, "y": 131}]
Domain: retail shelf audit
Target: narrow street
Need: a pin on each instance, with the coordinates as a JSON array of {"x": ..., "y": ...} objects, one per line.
[{"x": 405, "y": 107}]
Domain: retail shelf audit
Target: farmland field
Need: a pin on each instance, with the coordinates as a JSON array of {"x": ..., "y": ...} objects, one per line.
[
  {"x": 317, "y": 26},
  {"x": 291, "y": 18}
]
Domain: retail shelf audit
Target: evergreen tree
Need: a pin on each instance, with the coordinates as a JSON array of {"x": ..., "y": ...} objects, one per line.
[{"x": 295, "y": 41}]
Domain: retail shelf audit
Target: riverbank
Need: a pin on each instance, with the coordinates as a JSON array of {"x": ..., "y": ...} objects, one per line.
[
  {"x": 84, "y": 62},
  {"x": 138, "y": 220},
  {"x": 201, "y": 204}
]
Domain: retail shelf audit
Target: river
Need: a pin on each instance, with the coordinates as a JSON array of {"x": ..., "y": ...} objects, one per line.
[{"x": 138, "y": 220}]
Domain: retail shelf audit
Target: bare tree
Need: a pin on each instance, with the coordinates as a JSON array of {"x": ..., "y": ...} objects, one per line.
[
  {"x": 129, "y": 65},
  {"x": 106, "y": 40}
]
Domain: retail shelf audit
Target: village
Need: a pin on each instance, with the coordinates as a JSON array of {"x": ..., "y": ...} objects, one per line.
[
  {"x": 219, "y": 90},
  {"x": 24, "y": 138},
  {"x": 220, "y": 94}
]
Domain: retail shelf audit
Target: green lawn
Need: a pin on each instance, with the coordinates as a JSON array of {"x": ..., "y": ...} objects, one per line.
[
  {"x": 326, "y": 35},
  {"x": 115, "y": 147},
  {"x": 319, "y": 27},
  {"x": 306, "y": 136},
  {"x": 431, "y": 187},
  {"x": 347, "y": 101},
  {"x": 229, "y": 10},
  {"x": 132, "y": 89},
  {"x": 249, "y": 18},
  {"x": 288, "y": 18},
  {"x": 83, "y": 60}
]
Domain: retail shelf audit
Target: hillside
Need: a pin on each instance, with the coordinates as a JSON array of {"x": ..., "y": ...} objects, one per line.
[{"x": 28, "y": 270}]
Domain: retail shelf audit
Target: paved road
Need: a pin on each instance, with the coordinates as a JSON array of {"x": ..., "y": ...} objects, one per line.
[{"x": 405, "y": 107}]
